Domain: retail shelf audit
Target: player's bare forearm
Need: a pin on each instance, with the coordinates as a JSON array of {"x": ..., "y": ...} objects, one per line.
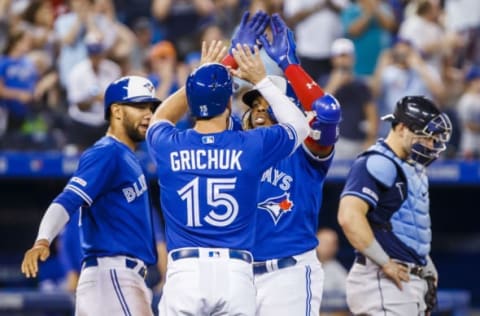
[{"x": 352, "y": 218}]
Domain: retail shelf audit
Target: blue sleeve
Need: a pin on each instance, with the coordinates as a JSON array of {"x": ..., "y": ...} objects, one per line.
[
  {"x": 93, "y": 176},
  {"x": 362, "y": 184},
  {"x": 158, "y": 134},
  {"x": 278, "y": 142},
  {"x": 320, "y": 163}
]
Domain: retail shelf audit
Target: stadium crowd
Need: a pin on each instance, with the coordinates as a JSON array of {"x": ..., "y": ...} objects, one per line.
[{"x": 58, "y": 56}]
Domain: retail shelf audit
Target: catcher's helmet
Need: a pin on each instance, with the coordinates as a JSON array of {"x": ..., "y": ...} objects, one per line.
[
  {"x": 424, "y": 119},
  {"x": 128, "y": 90},
  {"x": 209, "y": 89}
]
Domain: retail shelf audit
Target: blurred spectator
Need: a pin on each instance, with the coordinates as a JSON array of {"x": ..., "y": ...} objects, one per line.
[
  {"x": 18, "y": 77},
  {"x": 306, "y": 18},
  {"x": 141, "y": 46},
  {"x": 463, "y": 18},
  {"x": 163, "y": 69},
  {"x": 180, "y": 19},
  {"x": 469, "y": 114},
  {"x": 358, "y": 128},
  {"x": 25, "y": 80},
  {"x": 368, "y": 23},
  {"x": 426, "y": 34},
  {"x": 227, "y": 13},
  {"x": 123, "y": 43},
  {"x": 129, "y": 12},
  {"x": 163, "y": 74},
  {"x": 71, "y": 29},
  {"x": 402, "y": 71},
  {"x": 86, "y": 85},
  {"x": 335, "y": 273},
  {"x": 38, "y": 20},
  {"x": 4, "y": 22}
]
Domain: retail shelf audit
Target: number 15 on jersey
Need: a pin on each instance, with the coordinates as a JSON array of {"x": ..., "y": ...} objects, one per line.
[{"x": 215, "y": 197}]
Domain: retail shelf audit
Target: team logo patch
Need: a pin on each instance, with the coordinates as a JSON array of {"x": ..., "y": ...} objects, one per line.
[
  {"x": 149, "y": 87},
  {"x": 277, "y": 206}
]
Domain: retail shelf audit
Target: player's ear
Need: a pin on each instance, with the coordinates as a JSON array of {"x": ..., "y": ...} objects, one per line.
[{"x": 115, "y": 112}]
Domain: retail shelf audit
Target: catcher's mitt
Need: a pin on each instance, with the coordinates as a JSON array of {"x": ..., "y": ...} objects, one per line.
[{"x": 431, "y": 295}]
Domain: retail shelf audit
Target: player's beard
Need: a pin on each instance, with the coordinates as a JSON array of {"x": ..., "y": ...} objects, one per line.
[{"x": 133, "y": 132}]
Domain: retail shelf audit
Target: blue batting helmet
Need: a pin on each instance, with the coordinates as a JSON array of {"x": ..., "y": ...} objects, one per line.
[
  {"x": 127, "y": 90},
  {"x": 209, "y": 89}
]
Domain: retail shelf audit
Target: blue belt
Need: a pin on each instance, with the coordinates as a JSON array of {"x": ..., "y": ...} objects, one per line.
[
  {"x": 415, "y": 270},
  {"x": 129, "y": 263},
  {"x": 195, "y": 253},
  {"x": 261, "y": 267}
]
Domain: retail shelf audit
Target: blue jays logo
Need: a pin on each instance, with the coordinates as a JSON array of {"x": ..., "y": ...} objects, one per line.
[
  {"x": 277, "y": 206},
  {"x": 149, "y": 87}
]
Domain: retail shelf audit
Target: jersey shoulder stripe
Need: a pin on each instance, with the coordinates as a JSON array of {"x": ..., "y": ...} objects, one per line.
[{"x": 80, "y": 193}]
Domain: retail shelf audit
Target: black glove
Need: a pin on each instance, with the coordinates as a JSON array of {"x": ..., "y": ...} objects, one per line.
[{"x": 431, "y": 295}]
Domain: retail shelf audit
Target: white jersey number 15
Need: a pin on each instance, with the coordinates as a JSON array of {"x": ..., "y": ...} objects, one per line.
[{"x": 215, "y": 198}]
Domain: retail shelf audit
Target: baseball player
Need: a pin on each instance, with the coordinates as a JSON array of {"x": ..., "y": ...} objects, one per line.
[
  {"x": 110, "y": 190},
  {"x": 384, "y": 213},
  {"x": 288, "y": 275},
  {"x": 209, "y": 178}
]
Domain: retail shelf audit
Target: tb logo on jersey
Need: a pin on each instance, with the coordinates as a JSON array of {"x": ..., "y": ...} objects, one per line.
[{"x": 277, "y": 206}]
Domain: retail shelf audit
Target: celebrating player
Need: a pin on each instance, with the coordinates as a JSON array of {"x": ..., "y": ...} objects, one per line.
[
  {"x": 209, "y": 179},
  {"x": 384, "y": 213},
  {"x": 110, "y": 190},
  {"x": 288, "y": 275}
]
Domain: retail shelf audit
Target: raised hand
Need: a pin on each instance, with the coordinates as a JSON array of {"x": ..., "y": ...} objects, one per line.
[
  {"x": 250, "y": 65},
  {"x": 250, "y": 30},
  {"x": 213, "y": 52},
  {"x": 283, "y": 47}
]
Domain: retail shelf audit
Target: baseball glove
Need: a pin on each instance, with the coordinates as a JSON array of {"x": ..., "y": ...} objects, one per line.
[{"x": 431, "y": 295}]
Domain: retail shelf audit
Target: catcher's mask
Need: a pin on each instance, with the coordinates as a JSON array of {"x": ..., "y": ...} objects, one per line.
[{"x": 425, "y": 120}]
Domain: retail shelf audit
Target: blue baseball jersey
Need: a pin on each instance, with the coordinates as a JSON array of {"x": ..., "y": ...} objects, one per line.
[
  {"x": 209, "y": 182},
  {"x": 116, "y": 216},
  {"x": 383, "y": 201},
  {"x": 289, "y": 201},
  {"x": 21, "y": 74}
]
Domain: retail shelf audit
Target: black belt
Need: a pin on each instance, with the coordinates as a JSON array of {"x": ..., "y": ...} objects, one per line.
[
  {"x": 195, "y": 253},
  {"x": 261, "y": 267},
  {"x": 129, "y": 263},
  {"x": 415, "y": 270}
]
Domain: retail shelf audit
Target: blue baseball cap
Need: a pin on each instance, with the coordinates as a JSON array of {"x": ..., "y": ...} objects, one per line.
[{"x": 128, "y": 90}]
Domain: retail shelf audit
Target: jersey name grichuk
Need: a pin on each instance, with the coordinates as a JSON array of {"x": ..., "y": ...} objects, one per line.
[
  {"x": 138, "y": 188},
  {"x": 201, "y": 159}
]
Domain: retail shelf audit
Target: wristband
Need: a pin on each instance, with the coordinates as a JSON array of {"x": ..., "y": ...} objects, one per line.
[
  {"x": 376, "y": 253},
  {"x": 229, "y": 61}
]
